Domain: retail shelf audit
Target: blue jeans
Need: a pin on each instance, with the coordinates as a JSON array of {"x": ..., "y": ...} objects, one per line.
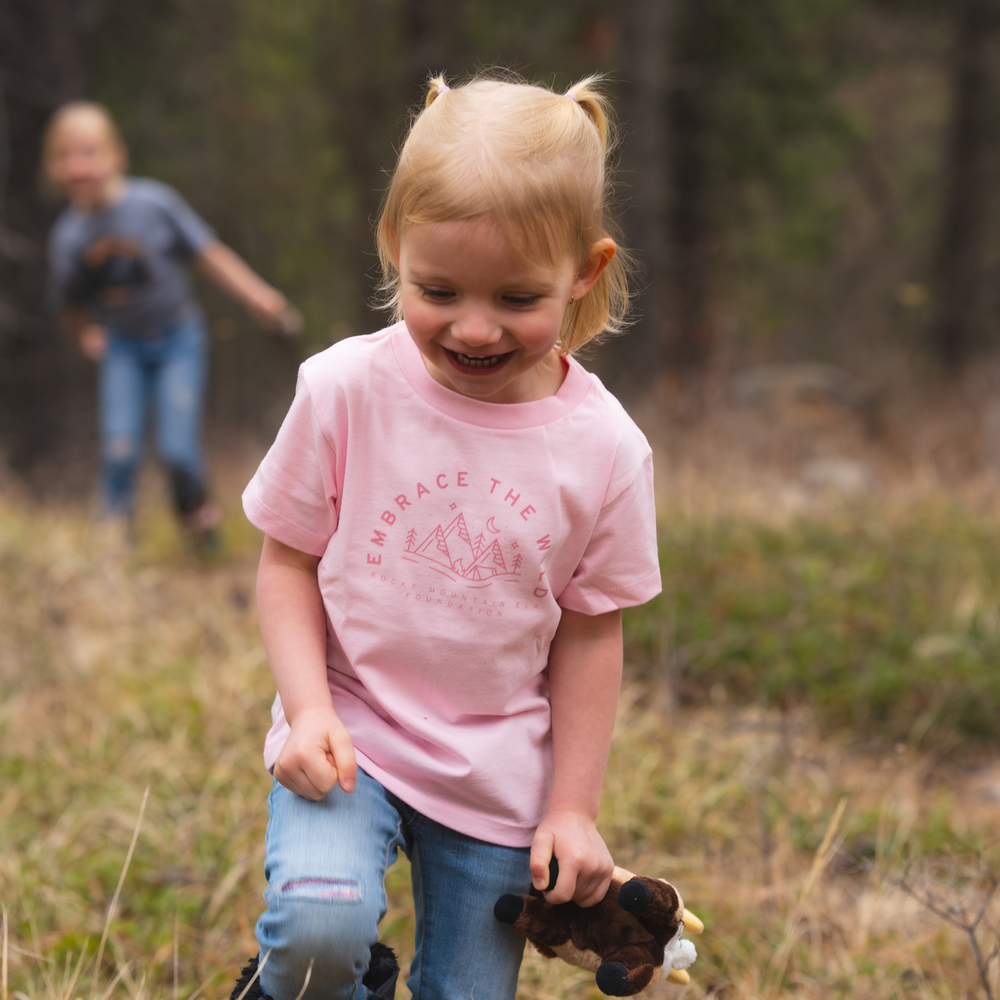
[
  {"x": 325, "y": 866},
  {"x": 167, "y": 374}
]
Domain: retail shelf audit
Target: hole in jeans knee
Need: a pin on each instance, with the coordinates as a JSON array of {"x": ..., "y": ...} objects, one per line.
[
  {"x": 343, "y": 890},
  {"x": 181, "y": 397}
]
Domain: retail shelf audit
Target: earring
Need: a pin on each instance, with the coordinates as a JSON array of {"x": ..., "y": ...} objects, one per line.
[{"x": 572, "y": 299}]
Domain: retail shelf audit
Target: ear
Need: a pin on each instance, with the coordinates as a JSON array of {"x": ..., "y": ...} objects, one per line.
[{"x": 598, "y": 258}]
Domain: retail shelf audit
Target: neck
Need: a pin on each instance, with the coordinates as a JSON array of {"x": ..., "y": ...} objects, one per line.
[{"x": 110, "y": 193}]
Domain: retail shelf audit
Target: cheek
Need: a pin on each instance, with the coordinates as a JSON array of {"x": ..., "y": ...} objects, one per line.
[
  {"x": 418, "y": 320},
  {"x": 543, "y": 331}
]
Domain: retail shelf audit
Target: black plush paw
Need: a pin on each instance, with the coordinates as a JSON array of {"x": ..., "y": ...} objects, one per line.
[
  {"x": 634, "y": 895},
  {"x": 612, "y": 979},
  {"x": 508, "y": 908}
]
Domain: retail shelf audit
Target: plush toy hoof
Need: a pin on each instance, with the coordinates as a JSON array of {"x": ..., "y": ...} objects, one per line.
[
  {"x": 612, "y": 979},
  {"x": 692, "y": 924},
  {"x": 678, "y": 976},
  {"x": 508, "y": 908},
  {"x": 248, "y": 985},
  {"x": 634, "y": 895}
]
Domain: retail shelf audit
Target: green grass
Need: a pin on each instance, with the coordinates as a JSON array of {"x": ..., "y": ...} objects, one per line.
[
  {"x": 888, "y": 626},
  {"x": 115, "y": 677}
]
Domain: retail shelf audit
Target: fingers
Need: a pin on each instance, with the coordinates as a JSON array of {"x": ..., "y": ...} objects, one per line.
[
  {"x": 93, "y": 342},
  {"x": 308, "y": 777},
  {"x": 541, "y": 855},
  {"x": 591, "y": 887},
  {"x": 345, "y": 763},
  {"x": 585, "y": 864},
  {"x": 317, "y": 755}
]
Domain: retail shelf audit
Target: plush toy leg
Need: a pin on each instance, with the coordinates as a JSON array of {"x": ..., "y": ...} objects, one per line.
[
  {"x": 508, "y": 908},
  {"x": 650, "y": 896},
  {"x": 248, "y": 985},
  {"x": 615, "y": 979},
  {"x": 514, "y": 910}
]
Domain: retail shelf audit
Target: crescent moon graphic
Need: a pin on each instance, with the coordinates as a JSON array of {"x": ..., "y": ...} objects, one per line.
[{"x": 491, "y": 527}]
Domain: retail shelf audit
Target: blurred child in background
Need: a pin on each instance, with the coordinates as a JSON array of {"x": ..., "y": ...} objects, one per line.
[{"x": 117, "y": 277}]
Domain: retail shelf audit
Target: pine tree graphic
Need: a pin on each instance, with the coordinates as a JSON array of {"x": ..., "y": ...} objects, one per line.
[
  {"x": 517, "y": 562},
  {"x": 478, "y": 545},
  {"x": 411, "y": 538}
]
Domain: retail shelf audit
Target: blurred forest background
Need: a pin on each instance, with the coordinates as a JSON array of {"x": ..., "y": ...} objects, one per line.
[
  {"x": 807, "y": 738},
  {"x": 803, "y": 182}
]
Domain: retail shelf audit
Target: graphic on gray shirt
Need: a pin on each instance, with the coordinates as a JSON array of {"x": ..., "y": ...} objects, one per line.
[{"x": 127, "y": 262}]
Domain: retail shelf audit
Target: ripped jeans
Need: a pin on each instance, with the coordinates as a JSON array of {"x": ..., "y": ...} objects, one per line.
[
  {"x": 325, "y": 866},
  {"x": 167, "y": 374}
]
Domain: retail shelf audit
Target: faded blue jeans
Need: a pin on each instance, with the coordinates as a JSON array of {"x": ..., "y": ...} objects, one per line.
[
  {"x": 325, "y": 866},
  {"x": 166, "y": 374}
]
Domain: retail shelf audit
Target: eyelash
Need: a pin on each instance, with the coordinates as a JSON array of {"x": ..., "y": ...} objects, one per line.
[
  {"x": 443, "y": 295},
  {"x": 436, "y": 294}
]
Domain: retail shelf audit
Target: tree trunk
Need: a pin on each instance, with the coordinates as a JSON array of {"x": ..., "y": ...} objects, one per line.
[
  {"x": 43, "y": 386},
  {"x": 957, "y": 261},
  {"x": 630, "y": 364},
  {"x": 689, "y": 332}
]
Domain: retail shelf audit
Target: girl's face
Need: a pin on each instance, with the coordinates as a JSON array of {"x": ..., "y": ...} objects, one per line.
[
  {"x": 485, "y": 320},
  {"x": 85, "y": 162}
]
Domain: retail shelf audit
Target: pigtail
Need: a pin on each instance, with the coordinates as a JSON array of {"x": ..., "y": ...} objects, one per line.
[
  {"x": 435, "y": 88},
  {"x": 594, "y": 105},
  {"x": 605, "y": 308}
]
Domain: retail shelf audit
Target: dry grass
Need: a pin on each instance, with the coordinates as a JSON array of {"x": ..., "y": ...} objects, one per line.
[{"x": 115, "y": 677}]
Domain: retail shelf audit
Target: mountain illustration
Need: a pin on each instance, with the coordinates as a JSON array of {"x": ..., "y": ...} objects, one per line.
[{"x": 453, "y": 547}]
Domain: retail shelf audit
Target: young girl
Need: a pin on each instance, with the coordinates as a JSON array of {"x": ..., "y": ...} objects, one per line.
[
  {"x": 455, "y": 513},
  {"x": 117, "y": 278}
]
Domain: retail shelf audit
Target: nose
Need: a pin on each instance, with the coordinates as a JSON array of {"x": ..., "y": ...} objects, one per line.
[{"x": 477, "y": 326}]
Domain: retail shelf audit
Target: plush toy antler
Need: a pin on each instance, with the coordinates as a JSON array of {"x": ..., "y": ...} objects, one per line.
[{"x": 628, "y": 938}]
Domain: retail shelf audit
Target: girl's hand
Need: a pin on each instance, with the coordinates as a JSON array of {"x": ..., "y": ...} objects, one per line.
[
  {"x": 93, "y": 341},
  {"x": 318, "y": 754},
  {"x": 585, "y": 864},
  {"x": 268, "y": 306}
]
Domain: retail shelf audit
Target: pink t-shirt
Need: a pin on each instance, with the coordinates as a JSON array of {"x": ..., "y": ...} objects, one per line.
[{"x": 451, "y": 533}]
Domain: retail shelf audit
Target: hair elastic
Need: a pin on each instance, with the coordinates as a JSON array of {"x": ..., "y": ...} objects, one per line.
[
  {"x": 443, "y": 88},
  {"x": 570, "y": 95}
]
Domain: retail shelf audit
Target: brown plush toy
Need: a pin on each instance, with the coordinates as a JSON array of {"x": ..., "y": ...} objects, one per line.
[{"x": 629, "y": 938}]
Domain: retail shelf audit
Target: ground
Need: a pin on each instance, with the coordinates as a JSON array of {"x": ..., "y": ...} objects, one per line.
[{"x": 778, "y": 821}]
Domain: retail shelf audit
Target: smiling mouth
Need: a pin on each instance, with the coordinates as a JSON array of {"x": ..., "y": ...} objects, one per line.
[{"x": 475, "y": 363}]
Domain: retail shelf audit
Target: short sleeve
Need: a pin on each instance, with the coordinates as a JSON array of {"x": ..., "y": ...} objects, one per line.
[
  {"x": 293, "y": 495},
  {"x": 192, "y": 232},
  {"x": 620, "y": 566}
]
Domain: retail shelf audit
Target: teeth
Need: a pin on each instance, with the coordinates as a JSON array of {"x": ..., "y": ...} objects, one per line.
[{"x": 474, "y": 362}]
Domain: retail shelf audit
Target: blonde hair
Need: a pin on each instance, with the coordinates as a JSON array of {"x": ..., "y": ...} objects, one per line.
[
  {"x": 536, "y": 161},
  {"x": 76, "y": 111}
]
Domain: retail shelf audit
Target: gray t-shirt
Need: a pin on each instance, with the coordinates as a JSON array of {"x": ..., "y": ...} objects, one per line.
[{"x": 126, "y": 263}]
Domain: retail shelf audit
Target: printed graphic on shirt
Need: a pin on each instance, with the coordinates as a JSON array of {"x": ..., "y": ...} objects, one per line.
[
  {"x": 112, "y": 269},
  {"x": 496, "y": 546},
  {"x": 455, "y": 550}
]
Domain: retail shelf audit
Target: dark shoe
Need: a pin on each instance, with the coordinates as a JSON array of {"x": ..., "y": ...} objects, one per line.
[
  {"x": 203, "y": 529},
  {"x": 383, "y": 971},
  {"x": 240, "y": 989}
]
